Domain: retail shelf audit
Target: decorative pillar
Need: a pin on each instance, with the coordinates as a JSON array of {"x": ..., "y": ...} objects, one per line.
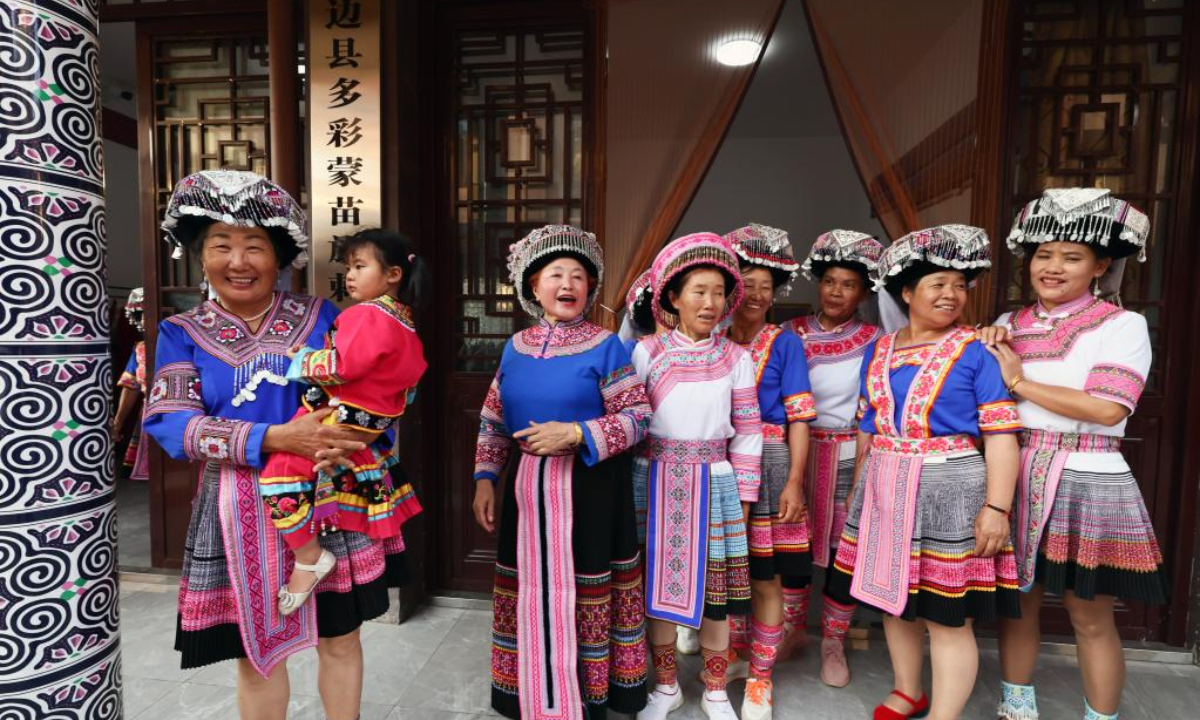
[{"x": 59, "y": 649}]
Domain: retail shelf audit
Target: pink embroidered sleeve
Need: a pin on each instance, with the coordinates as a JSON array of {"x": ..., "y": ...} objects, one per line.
[
  {"x": 627, "y": 416},
  {"x": 494, "y": 442},
  {"x": 745, "y": 448},
  {"x": 999, "y": 417},
  {"x": 217, "y": 439},
  {"x": 1117, "y": 383},
  {"x": 1119, "y": 374}
]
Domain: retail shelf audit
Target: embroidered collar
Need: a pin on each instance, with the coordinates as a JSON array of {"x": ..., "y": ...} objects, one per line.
[
  {"x": 568, "y": 337},
  {"x": 396, "y": 309},
  {"x": 1083, "y": 302},
  {"x": 845, "y": 342},
  {"x": 759, "y": 348},
  {"x": 1036, "y": 338}
]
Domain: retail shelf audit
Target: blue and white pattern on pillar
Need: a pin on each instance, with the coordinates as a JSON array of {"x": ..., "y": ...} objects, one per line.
[{"x": 59, "y": 647}]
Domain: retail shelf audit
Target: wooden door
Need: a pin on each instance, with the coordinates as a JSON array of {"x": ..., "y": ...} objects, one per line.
[
  {"x": 512, "y": 121},
  {"x": 203, "y": 105},
  {"x": 1100, "y": 101}
]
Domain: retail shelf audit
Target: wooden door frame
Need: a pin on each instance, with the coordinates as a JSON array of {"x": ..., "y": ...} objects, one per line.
[
  {"x": 436, "y": 216},
  {"x": 1178, "y": 622},
  {"x": 161, "y": 514}
]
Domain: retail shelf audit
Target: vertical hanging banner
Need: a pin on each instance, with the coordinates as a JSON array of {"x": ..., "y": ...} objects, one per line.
[{"x": 346, "y": 162}]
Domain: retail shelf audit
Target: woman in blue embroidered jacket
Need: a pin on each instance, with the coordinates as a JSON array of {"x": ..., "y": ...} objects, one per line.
[
  {"x": 569, "y": 626},
  {"x": 220, "y": 397}
]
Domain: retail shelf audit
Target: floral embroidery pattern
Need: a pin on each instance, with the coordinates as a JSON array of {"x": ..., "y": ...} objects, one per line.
[
  {"x": 217, "y": 439},
  {"x": 225, "y": 336},
  {"x": 627, "y": 414},
  {"x": 176, "y": 387},
  {"x": 843, "y": 343},
  {"x": 491, "y": 449},
  {"x": 801, "y": 407},
  {"x": 925, "y": 388},
  {"x": 999, "y": 417},
  {"x": 942, "y": 445}
]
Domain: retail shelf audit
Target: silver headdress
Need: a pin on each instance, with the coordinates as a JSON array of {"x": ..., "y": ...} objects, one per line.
[
  {"x": 135, "y": 309},
  {"x": 769, "y": 247},
  {"x": 685, "y": 253},
  {"x": 535, "y": 250},
  {"x": 1082, "y": 215},
  {"x": 234, "y": 197},
  {"x": 842, "y": 246},
  {"x": 954, "y": 247}
]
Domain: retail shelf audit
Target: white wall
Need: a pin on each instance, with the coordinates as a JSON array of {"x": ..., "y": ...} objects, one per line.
[
  {"x": 784, "y": 162},
  {"x": 124, "y": 238}
]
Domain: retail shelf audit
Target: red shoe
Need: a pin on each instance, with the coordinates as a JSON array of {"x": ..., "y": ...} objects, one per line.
[{"x": 920, "y": 708}]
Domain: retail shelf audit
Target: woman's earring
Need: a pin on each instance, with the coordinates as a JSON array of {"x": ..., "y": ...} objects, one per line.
[
  {"x": 204, "y": 286},
  {"x": 1096, "y": 292}
]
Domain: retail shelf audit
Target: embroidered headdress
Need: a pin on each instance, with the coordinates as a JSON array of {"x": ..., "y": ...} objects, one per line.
[
  {"x": 534, "y": 251},
  {"x": 949, "y": 247},
  {"x": 135, "y": 309},
  {"x": 684, "y": 254},
  {"x": 1082, "y": 215},
  {"x": 769, "y": 247},
  {"x": 639, "y": 305},
  {"x": 235, "y": 197},
  {"x": 845, "y": 247}
]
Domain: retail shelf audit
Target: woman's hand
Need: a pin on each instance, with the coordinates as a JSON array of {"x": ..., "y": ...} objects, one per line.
[
  {"x": 548, "y": 438},
  {"x": 306, "y": 436},
  {"x": 791, "y": 502},
  {"x": 1010, "y": 361},
  {"x": 117, "y": 429},
  {"x": 485, "y": 504},
  {"x": 992, "y": 335},
  {"x": 991, "y": 532}
]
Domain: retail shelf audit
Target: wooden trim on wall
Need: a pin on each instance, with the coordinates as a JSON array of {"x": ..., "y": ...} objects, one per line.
[
  {"x": 1182, "y": 369},
  {"x": 134, "y": 11},
  {"x": 595, "y": 160},
  {"x": 998, "y": 42}
]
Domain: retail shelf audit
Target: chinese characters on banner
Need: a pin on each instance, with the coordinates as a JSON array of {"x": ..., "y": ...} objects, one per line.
[{"x": 344, "y": 133}]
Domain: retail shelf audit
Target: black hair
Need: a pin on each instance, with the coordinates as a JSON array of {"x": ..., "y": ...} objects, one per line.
[
  {"x": 675, "y": 284},
  {"x": 642, "y": 313},
  {"x": 819, "y": 268},
  {"x": 393, "y": 249},
  {"x": 191, "y": 231},
  {"x": 778, "y": 277}
]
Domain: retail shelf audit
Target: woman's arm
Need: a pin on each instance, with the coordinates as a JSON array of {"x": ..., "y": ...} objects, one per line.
[
  {"x": 124, "y": 407},
  {"x": 791, "y": 501},
  {"x": 491, "y": 455},
  {"x": 992, "y": 526},
  {"x": 1068, "y": 402}
]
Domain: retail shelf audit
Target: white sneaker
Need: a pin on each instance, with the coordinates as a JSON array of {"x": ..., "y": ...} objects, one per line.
[
  {"x": 757, "y": 703},
  {"x": 716, "y": 706},
  {"x": 687, "y": 640},
  {"x": 661, "y": 702}
]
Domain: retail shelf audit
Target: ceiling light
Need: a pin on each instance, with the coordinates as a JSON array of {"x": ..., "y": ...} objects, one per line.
[{"x": 738, "y": 52}]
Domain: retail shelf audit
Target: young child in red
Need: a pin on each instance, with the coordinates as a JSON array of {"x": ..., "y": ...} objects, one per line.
[{"x": 367, "y": 372}]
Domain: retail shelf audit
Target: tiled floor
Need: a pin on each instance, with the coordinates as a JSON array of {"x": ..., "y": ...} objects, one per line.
[{"x": 435, "y": 667}]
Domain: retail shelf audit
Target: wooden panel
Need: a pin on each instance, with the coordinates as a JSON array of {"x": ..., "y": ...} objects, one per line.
[
  {"x": 513, "y": 128},
  {"x": 1099, "y": 101}
]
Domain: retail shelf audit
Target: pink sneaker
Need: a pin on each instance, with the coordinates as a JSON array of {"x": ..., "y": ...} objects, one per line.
[{"x": 834, "y": 670}]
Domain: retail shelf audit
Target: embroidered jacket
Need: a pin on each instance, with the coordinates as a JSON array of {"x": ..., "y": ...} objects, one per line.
[
  {"x": 834, "y": 367},
  {"x": 371, "y": 362},
  {"x": 569, "y": 372},
  {"x": 1087, "y": 345},
  {"x": 781, "y": 373},
  {"x": 218, "y": 386},
  {"x": 134, "y": 376},
  {"x": 705, "y": 391},
  {"x": 961, "y": 391}
]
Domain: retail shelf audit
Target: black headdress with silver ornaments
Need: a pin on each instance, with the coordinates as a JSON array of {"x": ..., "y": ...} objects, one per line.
[
  {"x": 768, "y": 247},
  {"x": 538, "y": 248},
  {"x": 234, "y": 197},
  {"x": 1082, "y": 215}
]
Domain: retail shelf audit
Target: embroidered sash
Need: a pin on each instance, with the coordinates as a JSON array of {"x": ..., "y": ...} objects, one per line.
[
  {"x": 547, "y": 645},
  {"x": 1044, "y": 456},
  {"x": 893, "y": 470},
  {"x": 258, "y": 567},
  {"x": 824, "y": 455},
  {"x": 677, "y": 537}
]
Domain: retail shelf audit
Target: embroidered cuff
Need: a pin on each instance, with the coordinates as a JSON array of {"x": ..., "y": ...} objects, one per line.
[
  {"x": 176, "y": 388},
  {"x": 800, "y": 407},
  {"x": 295, "y": 371},
  {"x": 999, "y": 417},
  {"x": 491, "y": 451},
  {"x": 1116, "y": 383},
  {"x": 220, "y": 440},
  {"x": 320, "y": 367}
]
